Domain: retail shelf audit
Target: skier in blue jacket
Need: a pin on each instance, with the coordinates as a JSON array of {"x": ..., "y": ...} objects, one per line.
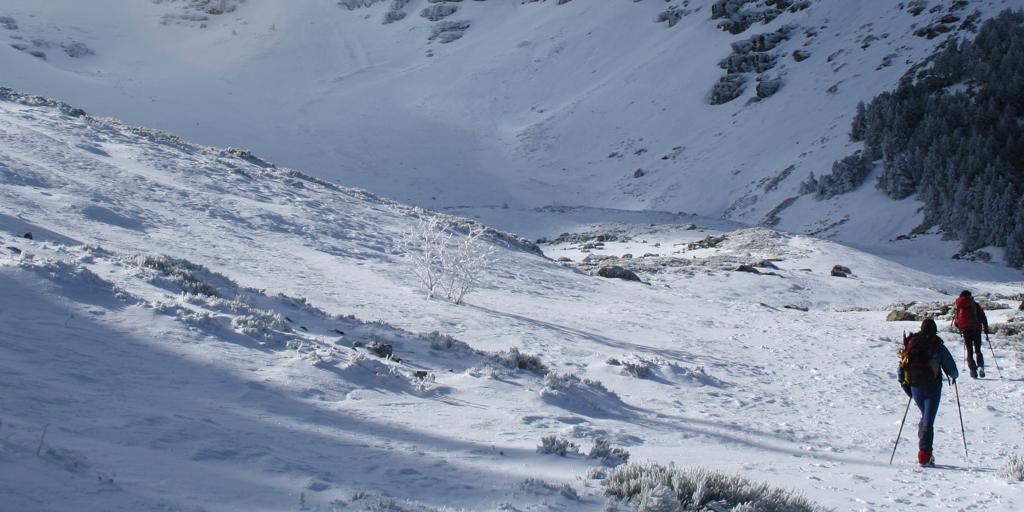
[{"x": 920, "y": 373}]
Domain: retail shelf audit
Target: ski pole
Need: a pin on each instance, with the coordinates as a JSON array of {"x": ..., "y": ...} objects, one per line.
[
  {"x": 993, "y": 351},
  {"x": 900, "y": 433},
  {"x": 958, "y": 411}
]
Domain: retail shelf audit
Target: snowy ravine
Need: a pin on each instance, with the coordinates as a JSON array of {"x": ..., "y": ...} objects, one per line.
[
  {"x": 234, "y": 374},
  {"x": 592, "y": 103}
]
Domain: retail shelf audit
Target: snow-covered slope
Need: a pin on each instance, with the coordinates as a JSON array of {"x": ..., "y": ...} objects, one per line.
[
  {"x": 234, "y": 373},
  {"x": 581, "y": 103}
]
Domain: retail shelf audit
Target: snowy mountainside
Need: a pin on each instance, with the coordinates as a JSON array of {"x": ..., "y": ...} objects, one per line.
[
  {"x": 579, "y": 103},
  {"x": 193, "y": 329}
]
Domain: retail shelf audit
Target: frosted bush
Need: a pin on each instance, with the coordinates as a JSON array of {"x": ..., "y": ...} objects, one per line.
[
  {"x": 582, "y": 395},
  {"x": 608, "y": 454},
  {"x": 651, "y": 486},
  {"x": 639, "y": 368},
  {"x": 538, "y": 486},
  {"x": 455, "y": 265},
  {"x": 440, "y": 341},
  {"x": 464, "y": 264},
  {"x": 370, "y": 502},
  {"x": 259, "y": 324},
  {"x": 180, "y": 272},
  {"x": 515, "y": 359},
  {"x": 1013, "y": 468},
  {"x": 556, "y": 445}
]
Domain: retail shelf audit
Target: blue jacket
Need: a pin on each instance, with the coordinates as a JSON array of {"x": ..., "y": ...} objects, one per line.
[{"x": 947, "y": 362}]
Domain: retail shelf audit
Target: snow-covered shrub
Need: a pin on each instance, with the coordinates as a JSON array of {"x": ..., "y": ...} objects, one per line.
[
  {"x": 371, "y": 502},
  {"x": 639, "y": 368},
  {"x": 538, "y": 486},
  {"x": 571, "y": 392},
  {"x": 651, "y": 486},
  {"x": 259, "y": 324},
  {"x": 440, "y": 341},
  {"x": 180, "y": 272},
  {"x": 557, "y": 445},
  {"x": 1013, "y": 468},
  {"x": 514, "y": 359},
  {"x": 608, "y": 454}
]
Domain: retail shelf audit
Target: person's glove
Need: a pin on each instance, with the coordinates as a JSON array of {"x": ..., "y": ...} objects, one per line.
[{"x": 906, "y": 389}]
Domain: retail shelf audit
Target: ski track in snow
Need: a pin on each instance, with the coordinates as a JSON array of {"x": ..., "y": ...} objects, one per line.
[{"x": 154, "y": 400}]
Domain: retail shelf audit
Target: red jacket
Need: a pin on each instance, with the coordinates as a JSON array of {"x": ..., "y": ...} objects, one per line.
[{"x": 969, "y": 315}]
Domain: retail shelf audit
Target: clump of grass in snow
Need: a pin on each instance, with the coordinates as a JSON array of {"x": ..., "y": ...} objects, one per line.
[
  {"x": 557, "y": 445},
  {"x": 515, "y": 359},
  {"x": 652, "y": 487},
  {"x": 538, "y": 486},
  {"x": 608, "y": 454},
  {"x": 181, "y": 272},
  {"x": 1013, "y": 468}
]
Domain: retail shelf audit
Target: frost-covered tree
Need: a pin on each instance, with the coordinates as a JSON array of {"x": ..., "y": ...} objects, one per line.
[
  {"x": 464, "y": 263},
  {"x": 445, "y": 260},
  {"x": 425, "y": 248},
  {"x": 951, "y": 134}
]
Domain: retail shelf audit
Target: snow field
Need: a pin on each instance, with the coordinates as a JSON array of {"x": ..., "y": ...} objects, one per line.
[{"x": 187, "y": 382}]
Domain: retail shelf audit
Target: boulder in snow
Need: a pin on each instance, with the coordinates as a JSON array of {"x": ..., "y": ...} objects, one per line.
[{"x": 617, "y": 272}]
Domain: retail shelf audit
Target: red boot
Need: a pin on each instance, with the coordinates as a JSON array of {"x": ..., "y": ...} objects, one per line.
[{"x": 925, "y": 458}]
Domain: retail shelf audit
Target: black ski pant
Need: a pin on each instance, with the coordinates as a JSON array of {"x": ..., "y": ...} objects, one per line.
[{"x": 972, "y": 342}]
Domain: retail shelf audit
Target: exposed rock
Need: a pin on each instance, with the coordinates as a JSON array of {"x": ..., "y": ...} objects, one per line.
[
  {"x": 617, "y": 272},
  {"x": 381, "y": 349},
  {"x": 900, "y": 315},
  {"x": 707, "y": 242},
  {"x": 841, "y": 271}
]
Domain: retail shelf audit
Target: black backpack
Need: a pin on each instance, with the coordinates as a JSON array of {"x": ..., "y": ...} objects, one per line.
[{"x": 919, "y": 361}]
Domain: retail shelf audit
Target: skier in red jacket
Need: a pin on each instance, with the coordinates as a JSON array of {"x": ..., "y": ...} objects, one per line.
[{"x": 970, "y": 319}]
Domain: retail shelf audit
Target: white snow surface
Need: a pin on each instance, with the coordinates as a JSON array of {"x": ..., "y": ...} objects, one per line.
[
  {"x": 123, "y": 392},
  {"x": 539, "y": 104}
]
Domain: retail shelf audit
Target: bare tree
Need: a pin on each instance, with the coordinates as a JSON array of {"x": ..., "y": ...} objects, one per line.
[
  {"x": 464, "y": 263},
  {"x": 425, "y": 248},
  {"x": 441, "y": 260}
]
